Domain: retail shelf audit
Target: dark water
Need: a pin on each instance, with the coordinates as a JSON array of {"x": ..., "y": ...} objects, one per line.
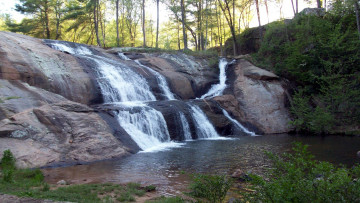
[{"x": 169, "y": 169}]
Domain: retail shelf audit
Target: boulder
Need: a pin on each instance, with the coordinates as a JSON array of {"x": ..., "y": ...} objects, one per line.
[
  {"x": 31, "y": 61},
  {"x": 261, "y": 98},
  {"x": 64, "y": 132},
  {"x": 187, "y": 76}
]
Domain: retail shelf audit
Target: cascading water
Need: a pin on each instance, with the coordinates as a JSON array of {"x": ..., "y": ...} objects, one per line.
[
  {"x": 241, "y": 127},
  {"x": 120, "y": 84},
  {"x": 123, "y": 57},
  {"x": 204, "y": 129},
  {"x": 161, "y": 82},
  {"x": 218, "y": 89},
  {"x": 185, "y": 126},
  {"x": 128, "y": 92}
]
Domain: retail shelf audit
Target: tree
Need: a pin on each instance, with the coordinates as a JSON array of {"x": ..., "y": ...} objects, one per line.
[
  {"x": 39, "y": 8},
  {"x": 183, "y": 20},
  {"x": 224, "y": 5},
  {"x": 117, "y": 23},
  {"x": 157, "y": 23},
  {"x": 356, "y": 5},
  {"x": 143, "y": 23}
]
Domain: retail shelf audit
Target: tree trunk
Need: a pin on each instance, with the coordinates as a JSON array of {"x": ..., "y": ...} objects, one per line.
[
  {"x": 229, "y": 20},
  {"x": 206, "y": 24},
  {"x": 117, "y": 24},
  {"x": 357, "y": 16},
  {"x": 96, "y": 25},
  {"x": 267, "y": 10},
  {"x": 292, "y": 4},
  {"x": 46, "y": 12},
  {"x": 178, "y": 35},
  {"x": 183, "y": 20},
  {"x": 318, "y": 3},
  {"x": 258, "y": 11},
  {"x": 157, "y": 23},
  {"x": 143, "y": 23}
]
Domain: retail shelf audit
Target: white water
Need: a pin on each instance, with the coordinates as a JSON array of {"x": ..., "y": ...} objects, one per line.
[
  {"x": 123, "y": 57},
  {"x": 79, "y": 50},
  {"x": 145, "y": 126},
  {"x": 161, "y": 82},
  {"x": 218, "y": 89},
  {"x": 121, "y": 84},
  {"x": 185, "y": 126},
  {"x": 204, "y": 129},
  {"x": 123, "y": 87},
  {"x": 241, "y": 127}
]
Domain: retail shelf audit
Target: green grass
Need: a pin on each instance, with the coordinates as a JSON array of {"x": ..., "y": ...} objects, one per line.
[
  {"x": 30, "y": 183},
  {"x": 167, "y": 200},
  {"x": 12, "y": 97}
]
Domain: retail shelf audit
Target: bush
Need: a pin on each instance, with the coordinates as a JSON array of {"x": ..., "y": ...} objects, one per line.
[
  {"x": 212, "y": 188},
  {"x": 297, "y": 177},
  {"x": 8, "y": 160}
]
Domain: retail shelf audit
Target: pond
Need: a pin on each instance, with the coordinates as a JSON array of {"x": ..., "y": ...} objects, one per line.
[{"x": 170, "y": 169}]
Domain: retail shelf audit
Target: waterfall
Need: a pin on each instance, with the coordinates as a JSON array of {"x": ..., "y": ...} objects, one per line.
[
  {"x": 161, "y": 82},
  {"x": 78, "y": 50},
  {"x": 123, "y": 57},
  {"x": 185, "y": 126},
  {"x": 128, "y": 92},
  {"x": 218, "y": 89},
  {"x": 145, "y": 126},
  {"x": 241, "y": 127},
  {"x": 204, "y": 129}
]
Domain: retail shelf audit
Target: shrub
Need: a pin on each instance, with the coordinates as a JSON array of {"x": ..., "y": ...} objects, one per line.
[
  {"x": 8, "y": 160},
  {"x": 212, "y": 188},
  {"x": 297, "y": 177}
]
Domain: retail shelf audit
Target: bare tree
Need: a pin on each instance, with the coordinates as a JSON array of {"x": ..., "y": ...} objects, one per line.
[
  {"x": 143, "y": 23},
  {"x": 157, "y": 23}
]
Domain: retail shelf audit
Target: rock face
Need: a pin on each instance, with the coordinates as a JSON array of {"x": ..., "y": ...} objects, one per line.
[
  {"x": 29, "y": 60},
  {"x": 187, "y": 76},
  {"x": 47, "y": 97},
  {"x": 58, "y": 132},
  {"x": 38, "y": 122},
  {"x": 258, "y": 98}
]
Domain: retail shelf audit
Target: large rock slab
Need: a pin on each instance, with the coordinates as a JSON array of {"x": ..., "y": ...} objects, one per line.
[
  {"x": 261, "y": 98},
  {"x": 31, "y": 61},
  {"x": 59, "y": 132}
]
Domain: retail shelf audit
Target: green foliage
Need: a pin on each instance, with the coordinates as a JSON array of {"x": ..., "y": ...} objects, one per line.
[
  {"x": 321, "y": 56},
  {"x": 297, "y": 177},
  {"x": 150, "y": 188},
  {"x": 30, "y": 183},
  {"x": 8, "y": 160},
  {"x": 212, "y": 188},
  {"x": 167, "y": 200}
]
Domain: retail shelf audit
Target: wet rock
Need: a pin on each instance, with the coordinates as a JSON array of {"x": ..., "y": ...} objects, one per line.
[
  {"x": 238, "y": 173},
  {"x": 31, "y": 61},
  {"x": 59, "y": 132},
  {"x": 61, "y": 182},
  {"x": 261, "y": 98}
]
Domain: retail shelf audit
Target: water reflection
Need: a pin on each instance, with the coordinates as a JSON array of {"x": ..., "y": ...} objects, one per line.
[{"x": 166, "y": 169}]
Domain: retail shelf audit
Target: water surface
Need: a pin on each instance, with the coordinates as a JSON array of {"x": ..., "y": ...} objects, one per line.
[{"x": 169, "y": 169}]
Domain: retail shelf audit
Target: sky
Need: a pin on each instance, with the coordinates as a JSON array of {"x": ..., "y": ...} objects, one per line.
[{"x": 7, "y": 6}]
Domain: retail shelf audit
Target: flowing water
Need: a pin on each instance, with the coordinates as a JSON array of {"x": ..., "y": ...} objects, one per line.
[{"x": 218, "y": 89}]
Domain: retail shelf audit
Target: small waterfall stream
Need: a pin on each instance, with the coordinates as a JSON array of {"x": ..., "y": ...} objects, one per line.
[{"x": 218, "y": 89}]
